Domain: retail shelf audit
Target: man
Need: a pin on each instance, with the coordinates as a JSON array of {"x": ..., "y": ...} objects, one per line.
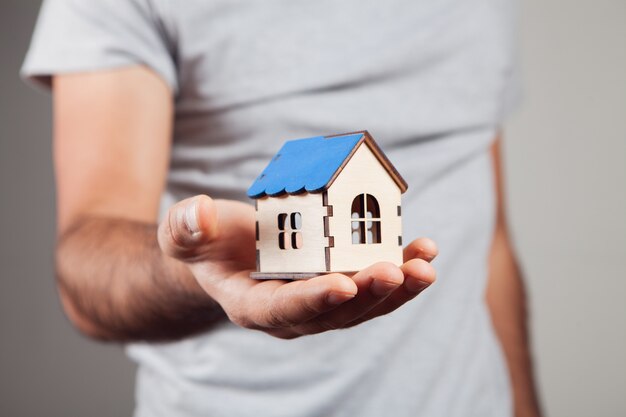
[{"x": 158, "y": 103}]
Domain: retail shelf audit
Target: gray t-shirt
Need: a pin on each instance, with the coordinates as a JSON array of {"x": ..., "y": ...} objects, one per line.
[{"x": 431, "y": 80}]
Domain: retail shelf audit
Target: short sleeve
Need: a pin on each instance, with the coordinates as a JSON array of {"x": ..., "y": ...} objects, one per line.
[{"x": 91, "y": 35}]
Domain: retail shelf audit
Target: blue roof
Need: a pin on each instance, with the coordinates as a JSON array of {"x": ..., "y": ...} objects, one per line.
[{"x": 304, "y": 165}]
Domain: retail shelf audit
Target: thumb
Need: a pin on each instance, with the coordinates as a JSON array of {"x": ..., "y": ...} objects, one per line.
[{"x": 189, "y": 225}]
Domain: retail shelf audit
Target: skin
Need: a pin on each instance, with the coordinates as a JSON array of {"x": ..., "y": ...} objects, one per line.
[
  {"x": 123, "y": 277},
  {"x": 506, "y": 299}
]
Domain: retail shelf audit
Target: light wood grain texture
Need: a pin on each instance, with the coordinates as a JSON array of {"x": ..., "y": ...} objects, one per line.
[
  {"x": 310, "y": 257},
  {"x": 364, "y": 174},
  {"x": 380, "y": 155},
  {"x": 326, "y": 230},
  {"x": 285, "y": 275}
]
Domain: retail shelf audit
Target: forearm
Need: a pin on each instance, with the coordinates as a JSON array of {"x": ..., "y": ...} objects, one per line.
[
  {"x": 116, "y": 284},
  {"x": 506, "y": 299}
]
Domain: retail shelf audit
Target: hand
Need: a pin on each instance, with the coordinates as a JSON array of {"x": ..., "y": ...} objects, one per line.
[{"x": 216, "y": 239}]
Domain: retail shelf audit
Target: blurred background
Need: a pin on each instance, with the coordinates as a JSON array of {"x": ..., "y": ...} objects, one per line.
[{"x": 565, "y": 155}]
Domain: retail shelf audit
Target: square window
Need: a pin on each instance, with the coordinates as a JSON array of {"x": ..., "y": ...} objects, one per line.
[{"x": 289, "y": 225}]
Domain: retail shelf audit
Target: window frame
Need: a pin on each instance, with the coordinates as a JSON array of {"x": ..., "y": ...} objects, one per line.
[
  {"x": 368, "y": 228},
  {"x": 290, "y": 230}
]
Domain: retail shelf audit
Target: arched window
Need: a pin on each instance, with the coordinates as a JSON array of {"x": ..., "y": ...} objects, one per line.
[{"x": 365, "y": 220}]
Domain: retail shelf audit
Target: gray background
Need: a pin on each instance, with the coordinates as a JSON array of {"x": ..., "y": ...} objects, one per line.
[{"x": 565, "y": 163}]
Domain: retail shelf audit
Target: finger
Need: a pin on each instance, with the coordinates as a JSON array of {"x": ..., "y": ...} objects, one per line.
[
  {"x": 418, "y": 274},
  {"x": 423, "y": 248},
  {"x": 374, "y": 283},
  {"x": 188, "y": 226},
  {"x": 276, "y": 304}
]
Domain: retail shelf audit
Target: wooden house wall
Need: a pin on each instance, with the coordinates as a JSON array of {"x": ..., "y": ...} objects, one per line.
[
  {"x": 363, "y": 174},
  {"x": 311, "y": 256}
]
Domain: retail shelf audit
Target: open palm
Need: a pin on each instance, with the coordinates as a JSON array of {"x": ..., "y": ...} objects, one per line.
[{"x": 216, "y": 238}]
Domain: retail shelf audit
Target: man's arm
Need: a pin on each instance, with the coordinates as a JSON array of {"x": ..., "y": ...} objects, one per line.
[
  {"x": 123, "y": 277},
  {"x": 111, "y": 149},
  {"x": 506, "y": 299}
]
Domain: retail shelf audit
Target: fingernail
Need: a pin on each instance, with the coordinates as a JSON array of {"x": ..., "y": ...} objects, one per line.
[
  {"x": 191, "y": 217},
  {"x": 415, "y": 285},
  {"x": 336, "y": 298},
  {"x": 381, "y": 288}
]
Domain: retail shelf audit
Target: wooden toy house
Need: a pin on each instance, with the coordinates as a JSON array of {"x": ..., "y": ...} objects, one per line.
[{"x": 327, "y": 204}]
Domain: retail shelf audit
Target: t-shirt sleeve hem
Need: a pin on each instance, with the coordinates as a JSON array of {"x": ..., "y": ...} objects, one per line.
[{"x": 39, "y": 75}]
